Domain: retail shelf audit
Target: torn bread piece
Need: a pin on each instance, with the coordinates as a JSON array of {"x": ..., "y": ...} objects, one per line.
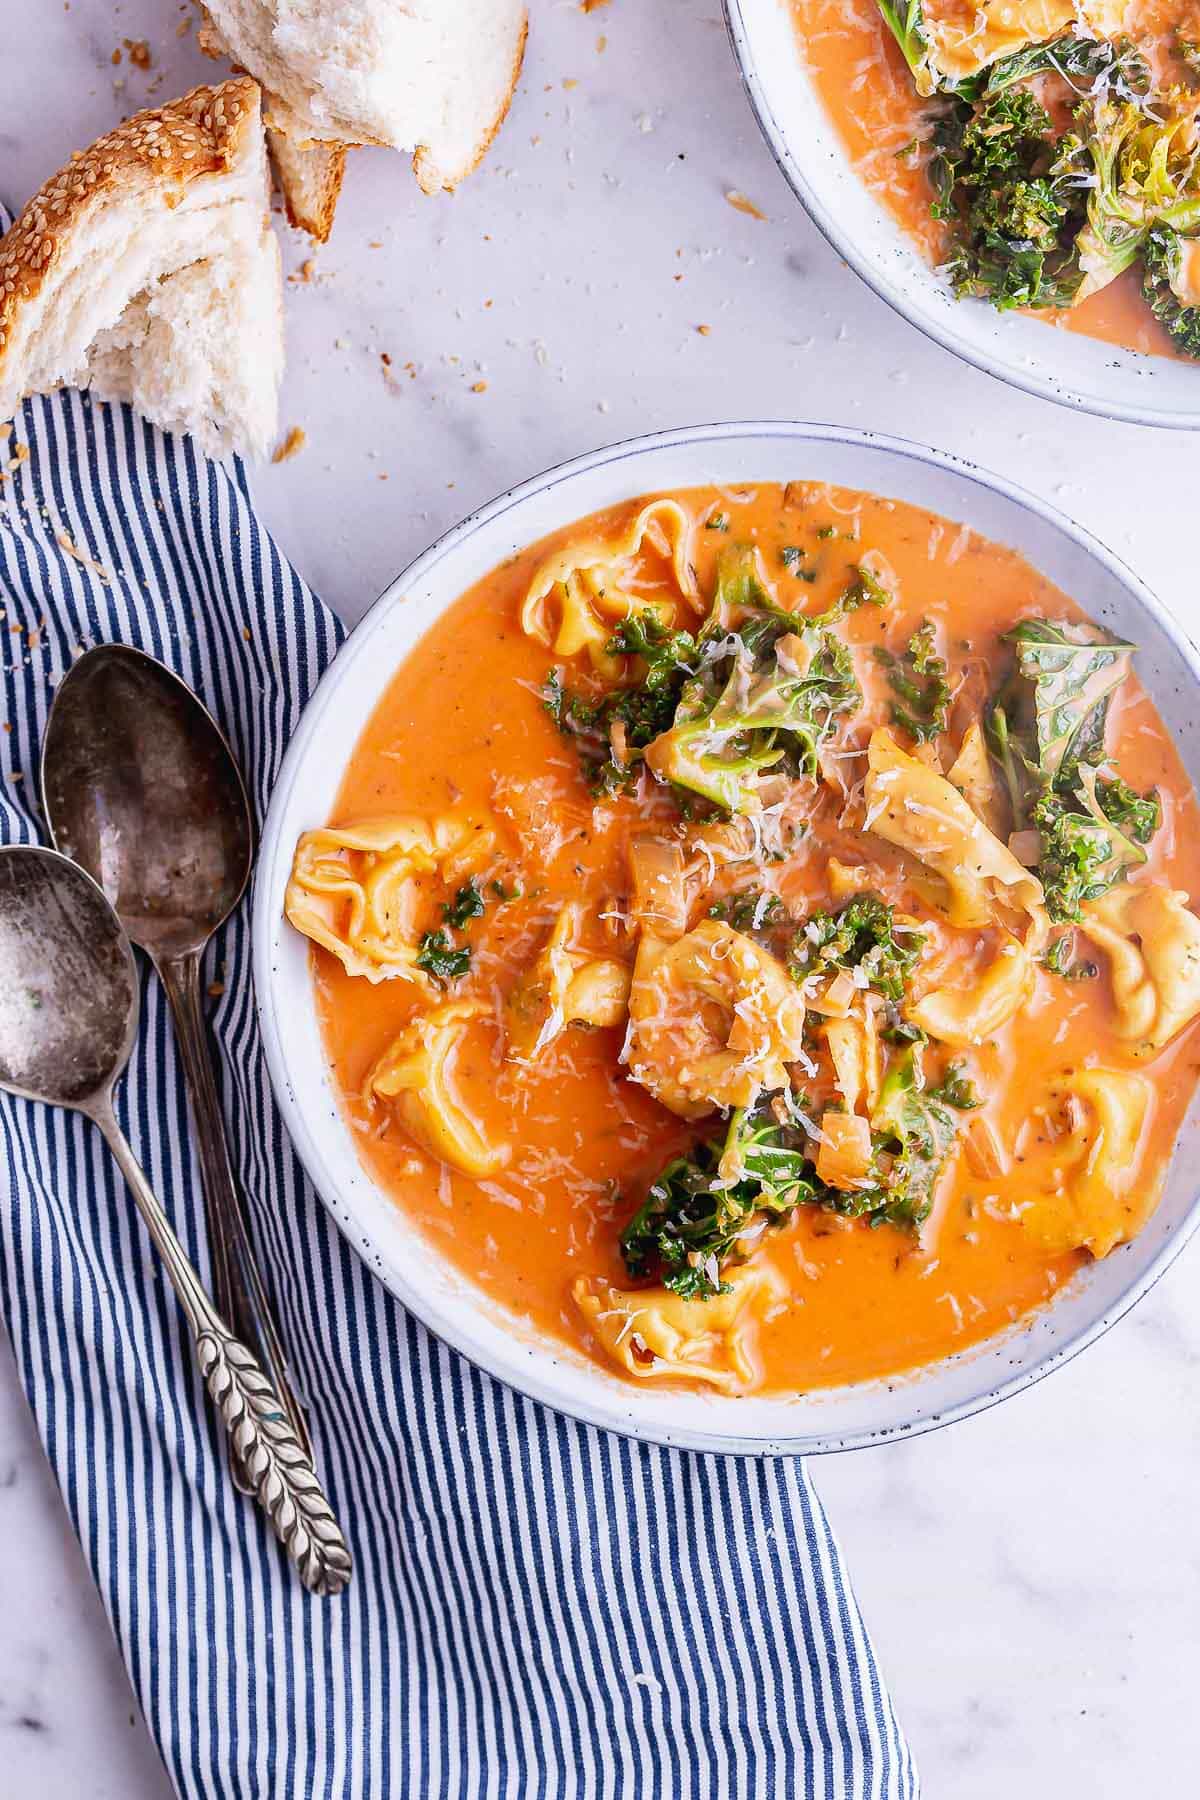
[
  {"x": 308, "y": 174},
  {"x": 147, "y": 271},
  {"x": 431, "y": 77}
]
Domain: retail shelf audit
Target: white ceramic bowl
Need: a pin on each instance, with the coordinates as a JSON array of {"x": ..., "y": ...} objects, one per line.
[
  {"x": 305, "y": 796},
  {"x": 1059, "y": 365}
]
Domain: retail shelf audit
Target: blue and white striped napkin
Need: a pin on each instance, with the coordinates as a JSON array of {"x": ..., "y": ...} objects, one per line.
[{"x": 538, "y": 1609}]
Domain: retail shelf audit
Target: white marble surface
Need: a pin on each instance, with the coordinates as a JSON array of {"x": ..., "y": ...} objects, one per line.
[{"x": 1032, "y": 1577}]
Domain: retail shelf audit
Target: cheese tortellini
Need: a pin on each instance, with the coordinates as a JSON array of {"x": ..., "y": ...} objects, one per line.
[
  {"x": 714, "y": 1020},
  {"x": 913, "y": 807},
  {"x": 578, "y": 596},
  {"x": 653, "y": 1335},
  {"x": 1098, "y": 1195},
  {"x": 357, "y": 891},
  {"x": 416, "y": 1072},
  {"x": 967, "y": 1016},
  {"x": 972, "y": 774},
  {"x": 565, "y": 986},
  {"x": 1152, "y": 941}
]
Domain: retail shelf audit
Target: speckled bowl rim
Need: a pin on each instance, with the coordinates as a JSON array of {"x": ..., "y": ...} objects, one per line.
[
  {"x": 967, "y": 329},
  {"x": 535, "y": 1366}
]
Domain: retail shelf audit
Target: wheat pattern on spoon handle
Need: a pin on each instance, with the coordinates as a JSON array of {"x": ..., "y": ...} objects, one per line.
[
  {"x": 279, "y": 1470},
  {"x": 277, "y": 1466}
]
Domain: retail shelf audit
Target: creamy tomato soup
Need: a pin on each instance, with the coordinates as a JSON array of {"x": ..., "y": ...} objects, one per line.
[
  {"x": 951, "y": 146},
  {"x": 753, "y": 938}
]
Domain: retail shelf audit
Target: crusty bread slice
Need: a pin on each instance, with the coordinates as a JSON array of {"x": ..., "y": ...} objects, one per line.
[
  {"x": 148, "y": 271},
  {"x": 432, "y": 77},
  {"x": 308, "y": 172}
]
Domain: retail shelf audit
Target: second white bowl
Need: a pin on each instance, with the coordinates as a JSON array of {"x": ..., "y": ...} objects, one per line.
[{"x": 1058, "y": 365}]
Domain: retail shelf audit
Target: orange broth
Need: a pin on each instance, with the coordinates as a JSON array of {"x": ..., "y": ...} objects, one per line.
[
  {"x": 462, "y": 724},
  {"x": 867, "y": 90}
]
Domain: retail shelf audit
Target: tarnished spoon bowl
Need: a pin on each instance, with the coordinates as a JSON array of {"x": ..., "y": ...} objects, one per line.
[
  {"x": 69, "y": 1014},
  {"x": 141, "y": 789},
  {"x": 68, "y": 1020}
]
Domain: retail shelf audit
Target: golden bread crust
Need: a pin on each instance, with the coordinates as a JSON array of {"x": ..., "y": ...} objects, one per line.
[
  {"x": 308, "y": 174},
  {"x": 166, "y": 147}
]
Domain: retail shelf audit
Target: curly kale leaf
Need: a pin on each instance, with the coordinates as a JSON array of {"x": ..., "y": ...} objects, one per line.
[
  {"x": 918, "y": 682},
  {"x": 1089, "y": 839},
  {"x": 1013, "y": 192},
  {"x": 643, "y": 708},
  {"x": 1136, "y": 816},
  {"x": 863, "y": 935},
  {"x": 664, "y": 653},
  {"x": 696, "y": 1219},
  {"x": 1075, "y": 854},
  {"x": 1162, "y": 255}
]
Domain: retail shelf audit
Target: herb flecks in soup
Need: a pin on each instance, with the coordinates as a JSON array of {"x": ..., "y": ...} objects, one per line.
[
  {"x": 753, "y": 941},
  {"x": 1043, "y": 152}
]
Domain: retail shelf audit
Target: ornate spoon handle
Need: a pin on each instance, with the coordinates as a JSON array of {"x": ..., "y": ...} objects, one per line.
[
  {"x": 237, "y": 1285},
  {"x": 280, "y": 1472}
]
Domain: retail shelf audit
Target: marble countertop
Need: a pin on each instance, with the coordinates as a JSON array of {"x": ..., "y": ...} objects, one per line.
[{"x": 1032, "y": 1577}]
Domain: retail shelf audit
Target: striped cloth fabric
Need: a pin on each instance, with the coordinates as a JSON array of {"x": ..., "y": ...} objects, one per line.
[{"x": 538, "y": 1609}]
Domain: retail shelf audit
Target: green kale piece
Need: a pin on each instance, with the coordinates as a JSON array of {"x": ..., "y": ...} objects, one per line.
[
  {"x": 441, "y": 958},
  {"x": 905, "y": 20},
  {"x": 1058, "y": 958},
  {"x": 865, "y": 590},
  {"x": 1075, "y": 854},
  {"x": 1161, "y": 257},
  {"x": 915, "y": 1130},
  {"x": 1013, "y": 192},
  {"x": 1089, "y": 65},
  {"x": 1014, "y": 749},
  {"x": 918, "y": 681},
  {"x": 702, "y": 1209},
  {"x": 754, "y": 704},
  {"x": 861, "y": 935},
  {"x": 468, "y": 903},
  {"x": 1074, "y": 669},
  {"x": 791, "y": 556},
  {"x": 1047, "y": 735},
  {"x": 1144, "y": 175},
  {"x": 957, "y": 1089},
  {"x": 1090, "y": 839},
  {"x": 1136, "y": 816},
  {"x": 644, "y": 707},
  {"x": 750, "y": 909}
]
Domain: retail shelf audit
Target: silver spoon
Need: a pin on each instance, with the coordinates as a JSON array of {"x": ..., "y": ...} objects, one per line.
[
  {"x": 68, "y": 1023},
  {"x": 140, "y": 789}
]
